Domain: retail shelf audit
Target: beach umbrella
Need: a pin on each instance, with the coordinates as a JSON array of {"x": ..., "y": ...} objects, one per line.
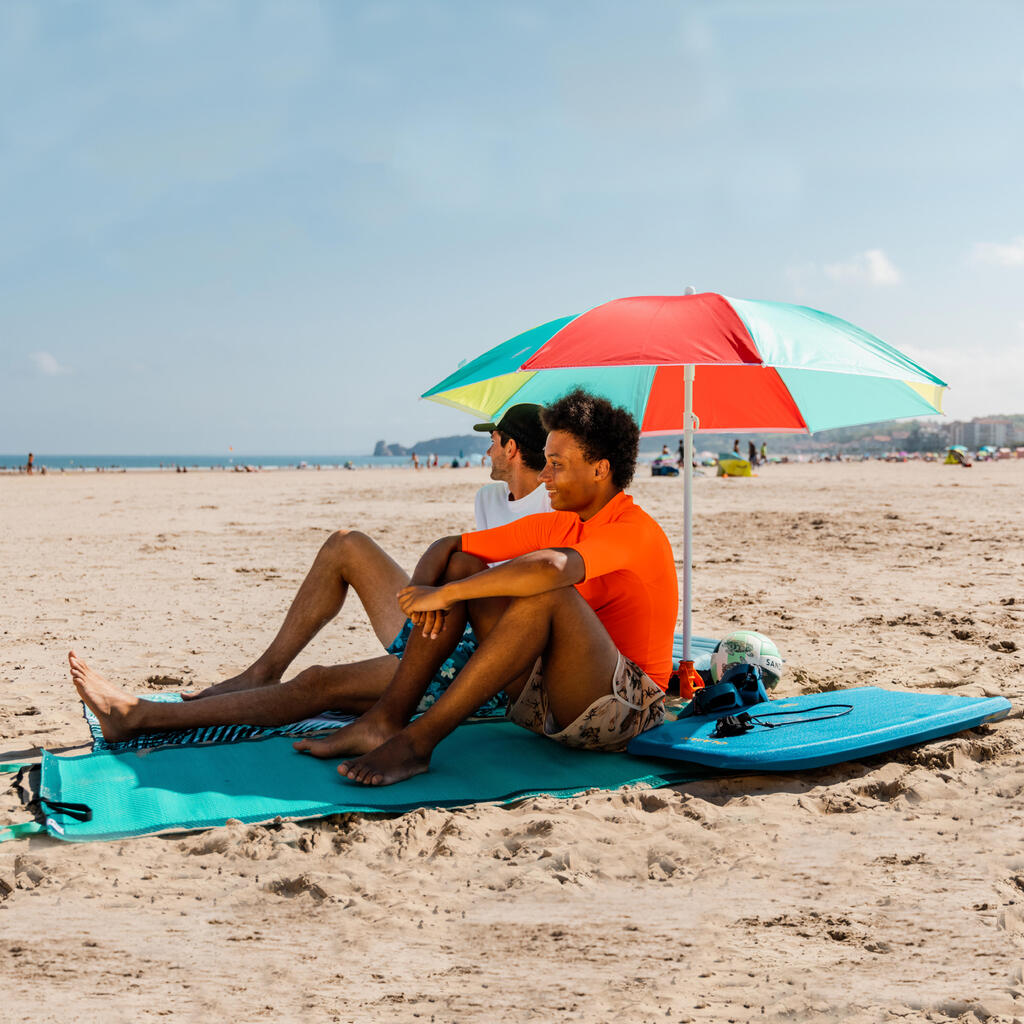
[{"x": 701, "y": 363}]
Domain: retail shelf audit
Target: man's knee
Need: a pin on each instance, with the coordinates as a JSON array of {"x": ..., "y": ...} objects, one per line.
[
  {"x": 310, "y": 676},
  {"x": 343, "y": 544},
  {"x": 461, "y": 565}
]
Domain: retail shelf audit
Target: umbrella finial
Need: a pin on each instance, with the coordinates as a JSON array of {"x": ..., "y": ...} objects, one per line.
[{"x": 689, "y": 290}]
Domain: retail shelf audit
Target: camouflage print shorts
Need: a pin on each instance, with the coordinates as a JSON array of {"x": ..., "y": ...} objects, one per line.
[{"x": 635, "y": 705}]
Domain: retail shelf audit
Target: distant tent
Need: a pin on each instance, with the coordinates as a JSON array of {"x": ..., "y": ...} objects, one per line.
[
  {"x": 957, "y": 457},
  {"x": 731, "y": 464}
]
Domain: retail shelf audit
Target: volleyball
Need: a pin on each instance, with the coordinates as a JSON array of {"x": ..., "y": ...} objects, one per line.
[{"x": 748, "y": 647}]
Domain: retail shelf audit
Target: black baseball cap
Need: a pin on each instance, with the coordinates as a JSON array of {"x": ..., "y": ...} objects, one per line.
[{"x": 522, "y": 424}]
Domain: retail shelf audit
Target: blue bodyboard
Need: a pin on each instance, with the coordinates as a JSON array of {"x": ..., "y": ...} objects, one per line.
[{"x": 812, "y": 730}]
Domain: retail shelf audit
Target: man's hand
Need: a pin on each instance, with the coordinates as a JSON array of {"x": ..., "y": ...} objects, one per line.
[
  {"x": 432, "y": 623},
  {"x": 426, "y": 606}
]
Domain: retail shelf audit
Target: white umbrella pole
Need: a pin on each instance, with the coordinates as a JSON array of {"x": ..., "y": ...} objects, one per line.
[{"x": 688, "y": 679}]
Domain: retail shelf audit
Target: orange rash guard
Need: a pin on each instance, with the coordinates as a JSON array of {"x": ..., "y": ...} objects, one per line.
[{"x": 630, "y": 579}]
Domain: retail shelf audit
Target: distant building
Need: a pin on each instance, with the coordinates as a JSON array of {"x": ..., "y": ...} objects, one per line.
[{"x": 982, "y": 431}]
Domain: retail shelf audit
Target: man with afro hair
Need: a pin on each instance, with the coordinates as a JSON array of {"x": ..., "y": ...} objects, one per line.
[{"x": 575, "y": 625}]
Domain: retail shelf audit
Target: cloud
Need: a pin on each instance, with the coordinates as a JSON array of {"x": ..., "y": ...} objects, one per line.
[
  {"x": 999, "y": 254},
  {"x": 871, "y": 267},
  {"x": 47, "y": 365},
  {"x": 983, "y": 385}
]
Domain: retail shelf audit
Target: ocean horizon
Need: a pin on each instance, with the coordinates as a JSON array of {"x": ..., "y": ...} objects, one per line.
[
  {"x": 56, "y": 463},
  {"x": 115, "y": 462}
]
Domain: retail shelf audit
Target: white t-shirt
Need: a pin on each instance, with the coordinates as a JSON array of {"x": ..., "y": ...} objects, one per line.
[{"x": 493, "y": 507}]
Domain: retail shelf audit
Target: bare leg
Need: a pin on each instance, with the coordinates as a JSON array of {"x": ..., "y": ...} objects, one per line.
[
  {"x": 579, "y": 661},
  {"x": 352, "y": 688},
  {"x": 421, "y": 660},
  {"x": 347, "y": 559}
]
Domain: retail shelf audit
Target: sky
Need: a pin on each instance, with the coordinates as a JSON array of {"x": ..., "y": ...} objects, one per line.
[{"x": 271, "y": 226}]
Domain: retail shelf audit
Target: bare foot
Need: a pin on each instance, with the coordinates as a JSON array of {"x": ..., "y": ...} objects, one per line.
[
  {"x": 365, "y": 734},
  {"x": 116, "y": 711},
  {"x": 247, "y": 680},
  {"x": 389, "y": 763}
]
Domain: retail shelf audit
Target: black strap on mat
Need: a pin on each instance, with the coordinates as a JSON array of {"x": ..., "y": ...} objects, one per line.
[
  {"x": 80, "y": 812},
  {"x": 27, "y": 785},
  {"x": 838, "y": 710},
  {"x": 737, "y": 725},
  {"x": 28, "y": 788}
]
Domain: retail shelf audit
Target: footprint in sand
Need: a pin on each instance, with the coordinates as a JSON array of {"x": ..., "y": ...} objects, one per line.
[
  {"x": 1003, "y": 646},
  {"x": 658, "y": 801},
  {"x": 544, "y": 827},
  {"x": 160, "y": 680},
  {"x": 885, "y": 789},
  {"x": 29, "y": 873},
  {"x": 297, "y": 886},
  {"x": 520, "y": 840},
  {"x": 237, "y": 841},
  {"x": 660, "y": 865},
  {"x": 1011, "y": 922}
]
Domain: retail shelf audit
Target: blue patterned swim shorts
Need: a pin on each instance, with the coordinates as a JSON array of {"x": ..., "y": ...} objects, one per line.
[{"x": 494, "y": 708}]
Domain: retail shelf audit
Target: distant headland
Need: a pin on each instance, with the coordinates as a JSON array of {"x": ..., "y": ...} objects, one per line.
[{"x": 457, "y": 444}]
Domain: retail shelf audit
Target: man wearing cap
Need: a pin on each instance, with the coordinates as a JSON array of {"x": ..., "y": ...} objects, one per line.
[
  {"x": 350, "y": 558},
  {"x": 517, "y": 456}
]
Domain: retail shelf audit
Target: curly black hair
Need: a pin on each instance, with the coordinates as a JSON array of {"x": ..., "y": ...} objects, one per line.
[{"x": 604, "y": 431}]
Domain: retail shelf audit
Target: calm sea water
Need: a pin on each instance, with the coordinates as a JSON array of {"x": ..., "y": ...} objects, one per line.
[
  {"x": 70, "y": 463},
  {"x": 55, "y": 463}
]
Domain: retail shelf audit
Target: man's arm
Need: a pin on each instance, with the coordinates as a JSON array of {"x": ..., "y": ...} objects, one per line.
[
  {"x": 429, "y": 569},
  {"x": 433, "y": 562},
  {"x": 533, "y": 573}
]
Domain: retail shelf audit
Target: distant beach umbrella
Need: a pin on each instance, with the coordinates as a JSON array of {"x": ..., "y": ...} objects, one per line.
[{"x": 706, "y": 363}]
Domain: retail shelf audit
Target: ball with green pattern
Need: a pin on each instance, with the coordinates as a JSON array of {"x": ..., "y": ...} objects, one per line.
[{"x": 747, "y": 647}]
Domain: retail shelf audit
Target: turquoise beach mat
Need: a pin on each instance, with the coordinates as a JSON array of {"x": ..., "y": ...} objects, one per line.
[{"x": 142, "y": 792}]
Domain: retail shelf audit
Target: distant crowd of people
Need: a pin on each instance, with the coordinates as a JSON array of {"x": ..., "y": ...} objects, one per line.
[
  {"x": 434, "y": 462},
  {"x": 754, "y": 457}
]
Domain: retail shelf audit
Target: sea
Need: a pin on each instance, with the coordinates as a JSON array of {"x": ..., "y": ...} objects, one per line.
[
  {"x": 172, "y": 463},
  {"x": 175, "y": 463}
]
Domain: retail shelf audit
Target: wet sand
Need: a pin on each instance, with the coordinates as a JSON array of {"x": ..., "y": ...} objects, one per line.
[{"x": 887, "y": 890}]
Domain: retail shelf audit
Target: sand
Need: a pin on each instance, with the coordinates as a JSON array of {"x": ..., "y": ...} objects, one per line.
[{"x": 887, "y": 890}]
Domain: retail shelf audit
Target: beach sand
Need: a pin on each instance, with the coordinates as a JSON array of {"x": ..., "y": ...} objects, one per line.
[{"x": 886, "y": 890}]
